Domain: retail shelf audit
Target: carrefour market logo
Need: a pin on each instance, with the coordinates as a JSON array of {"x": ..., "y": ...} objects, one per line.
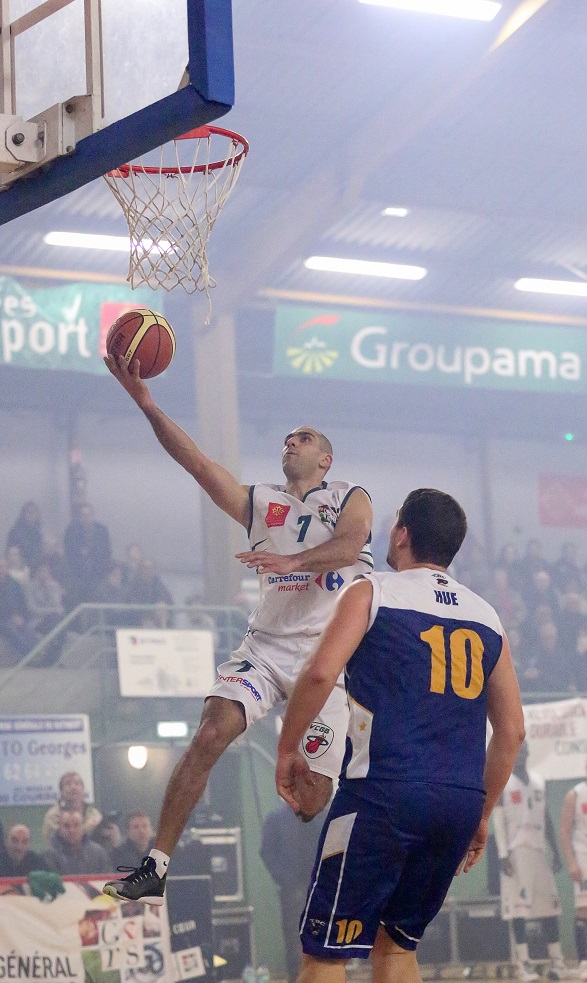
[{"x": 313, "y": 355}]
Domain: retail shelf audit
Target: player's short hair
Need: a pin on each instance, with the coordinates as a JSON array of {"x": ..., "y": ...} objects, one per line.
[
  {"x": 325, "y": 444},
  {"x": 436, "y": 524}
]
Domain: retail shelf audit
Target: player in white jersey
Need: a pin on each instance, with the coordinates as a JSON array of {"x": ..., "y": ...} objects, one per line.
[
  {"x": 573, "y": 831},
  {"x": 523, "y": 830},
  {"x": 307, "y": 538}
]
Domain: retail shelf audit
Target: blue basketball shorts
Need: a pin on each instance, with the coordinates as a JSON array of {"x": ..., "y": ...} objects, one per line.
[{"x": 386, "y": 865}]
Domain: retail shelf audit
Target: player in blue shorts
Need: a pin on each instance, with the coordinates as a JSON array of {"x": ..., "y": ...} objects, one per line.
[{"x": 426, "y": 664}]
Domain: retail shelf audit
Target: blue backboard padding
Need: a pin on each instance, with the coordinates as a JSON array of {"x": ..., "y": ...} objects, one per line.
[
  {"x": 209, "y": 95},
  {"x": 211, "y": 64}
]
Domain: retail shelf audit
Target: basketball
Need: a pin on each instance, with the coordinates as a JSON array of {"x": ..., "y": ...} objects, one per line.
[{"x": 144, "y": 335}]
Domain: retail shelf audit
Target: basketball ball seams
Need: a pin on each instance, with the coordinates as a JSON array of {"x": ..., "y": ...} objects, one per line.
[{"x": 137, "y": 334}]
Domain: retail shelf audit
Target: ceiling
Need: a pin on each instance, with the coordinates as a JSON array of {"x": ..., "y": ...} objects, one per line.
[{"x": 351, "y": 108}]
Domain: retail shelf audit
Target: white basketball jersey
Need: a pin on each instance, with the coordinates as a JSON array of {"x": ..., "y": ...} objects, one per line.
[
  {"x": 524, "y": 812},
  {"x": 299, "y": 603},
  {"x": 579, "y": 836}
]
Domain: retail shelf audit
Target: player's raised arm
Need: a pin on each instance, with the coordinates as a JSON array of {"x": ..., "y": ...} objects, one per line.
[
  {"x": 317, "y": 679},
  {"x": 222, "y": 487},
  {"x": 342, "y": 550}
]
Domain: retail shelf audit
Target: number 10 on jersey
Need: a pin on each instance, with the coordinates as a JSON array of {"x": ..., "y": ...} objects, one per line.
[{"x": 466, "y": 654}]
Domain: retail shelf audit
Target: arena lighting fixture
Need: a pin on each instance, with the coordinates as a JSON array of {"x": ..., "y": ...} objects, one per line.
[
  {"x": 395, "y": 212},
  {"x": 394, "y": 271},
  {"x": 467, "y": 9},
  {"x": 137, "y": 756},
  {"x": 172, "y": 728},
  {"x": 568, "y": 288},
  {"x": 83, "y": 240}
]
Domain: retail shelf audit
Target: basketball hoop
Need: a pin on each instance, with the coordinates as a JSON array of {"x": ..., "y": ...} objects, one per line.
[{"x": 171, "y": 208}]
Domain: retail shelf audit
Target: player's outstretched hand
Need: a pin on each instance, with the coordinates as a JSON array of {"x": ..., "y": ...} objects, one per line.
[
  {"x": 130, "y": 380},
  {"x": 292, "y": 772},
  {"x": 476, "y": 848},
  {"x": 268, "y": 562}
]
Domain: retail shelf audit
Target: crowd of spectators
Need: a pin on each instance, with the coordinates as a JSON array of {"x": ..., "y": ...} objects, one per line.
[
  {"x": 43, "y": 578},
  {"x": 542, "y": 603},
  {"x": 77, "y": 838}
]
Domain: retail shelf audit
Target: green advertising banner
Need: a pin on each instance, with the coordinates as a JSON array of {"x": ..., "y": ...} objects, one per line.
[
  {"x": 474, "y": 353},
  {"x": 62, "y": 327}
]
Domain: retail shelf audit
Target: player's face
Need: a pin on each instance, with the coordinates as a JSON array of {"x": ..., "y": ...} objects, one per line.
[{"x": 302, "y": 454}]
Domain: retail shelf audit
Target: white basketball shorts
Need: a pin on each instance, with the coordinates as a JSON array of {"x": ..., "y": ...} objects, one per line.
[
  {"x": 262, "y": 673},
  {"x": 530, "y": 892}
]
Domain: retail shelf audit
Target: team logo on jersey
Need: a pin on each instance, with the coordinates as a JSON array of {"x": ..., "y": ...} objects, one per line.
[
  {"x": 245, "y": 666},
  {"x": 516, "y": 797},
  {"x": 327, "y": 514},
  {"x": 330, "y": 581},
  {"x": 318, "y": 739},
  {"x": 442, "y": 581},
  {"x": 584, "y": 807},
  {"x": 276, "y": 514}
]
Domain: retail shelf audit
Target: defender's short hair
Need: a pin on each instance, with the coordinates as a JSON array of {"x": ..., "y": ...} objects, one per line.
[{"x": 436, "y": 524}]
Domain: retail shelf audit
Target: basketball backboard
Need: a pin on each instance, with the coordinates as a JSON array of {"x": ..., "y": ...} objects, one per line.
[{"x": 88, "y": 85}]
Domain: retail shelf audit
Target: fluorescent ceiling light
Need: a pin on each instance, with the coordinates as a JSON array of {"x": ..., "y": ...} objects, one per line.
[
  {"x": 394, "y": 271},
  {"x": 569, "y": 288},
  {"x": 83, "y": 240},
  {"x": 469, "y": 9},
  {"x": 395, "y": 212},
  {"x": 172, "y": 728},
  {"x": 137, "y": 756}
]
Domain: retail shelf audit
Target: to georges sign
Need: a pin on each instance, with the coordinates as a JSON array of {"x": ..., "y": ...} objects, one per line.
[{"x": 433, "y": 351}]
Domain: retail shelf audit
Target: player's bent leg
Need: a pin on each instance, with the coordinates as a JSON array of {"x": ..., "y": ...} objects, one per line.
[
  {"x": 314, "y": 797},
  {"x": 222, "y": 721},
  {"x": 391, "y": 963},
  {"x": 313, "y": 970}
]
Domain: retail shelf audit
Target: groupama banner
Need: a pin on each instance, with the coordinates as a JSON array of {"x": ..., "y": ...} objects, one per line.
[
  {"x": 463, "y": 352},
  {"x": 62, "y": 327}
]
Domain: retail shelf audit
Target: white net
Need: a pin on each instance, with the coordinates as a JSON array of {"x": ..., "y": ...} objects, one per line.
[{"x": 171, "y": 206}]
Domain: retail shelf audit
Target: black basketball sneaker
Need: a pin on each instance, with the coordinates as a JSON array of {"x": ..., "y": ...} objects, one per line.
[{"x": 142, "y": 884}]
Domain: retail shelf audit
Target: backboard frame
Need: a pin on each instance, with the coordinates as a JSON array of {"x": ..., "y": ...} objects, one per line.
[{"x": 207, "y": 95}]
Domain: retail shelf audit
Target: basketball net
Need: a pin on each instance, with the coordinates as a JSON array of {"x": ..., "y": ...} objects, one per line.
[{"x": 171, "y": 208}]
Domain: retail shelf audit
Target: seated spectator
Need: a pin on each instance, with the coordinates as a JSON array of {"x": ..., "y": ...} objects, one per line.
[
  {"x": 17, "y": 568},
  {"x": 87, "y": 551},
  {"x": 72, "y": 851},
  {"x": 573, "y": 620},
  {"x": 506, "y": 600},
  {"x": 132, "y": 564},
  {"x": 17, "y": 859},
  {"x": 139, "y": 840},
  {"x": 45, "y": 597},
  {"x": 566, "y": 572},
  {"x": 111, "y": 590},
  {"x": 509, "y": 560},
  {"x": 531, "y": 623},
  {"x": 54, "y": 556},
  {"x": 545, "y": 669},
  {"x": 26, "y": 533},
  {"x": 14, "y": 613},
  {"x": 530, "y": 563},
  {"x": 107, "y": 833},
  {"x": 541, "y": 591},
  {"x": 148, "y": 588},
  {"x": 71, "y": 797}
]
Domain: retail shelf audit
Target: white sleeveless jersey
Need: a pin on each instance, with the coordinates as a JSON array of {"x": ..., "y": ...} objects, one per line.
[
  {"x": 579, "y": 835},
  {"x": 299, "y": 603},
  {"x": 524, "y": 812}
]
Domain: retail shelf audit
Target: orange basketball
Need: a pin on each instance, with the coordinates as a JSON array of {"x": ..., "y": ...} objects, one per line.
[{"x": 144, "y": 335}]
